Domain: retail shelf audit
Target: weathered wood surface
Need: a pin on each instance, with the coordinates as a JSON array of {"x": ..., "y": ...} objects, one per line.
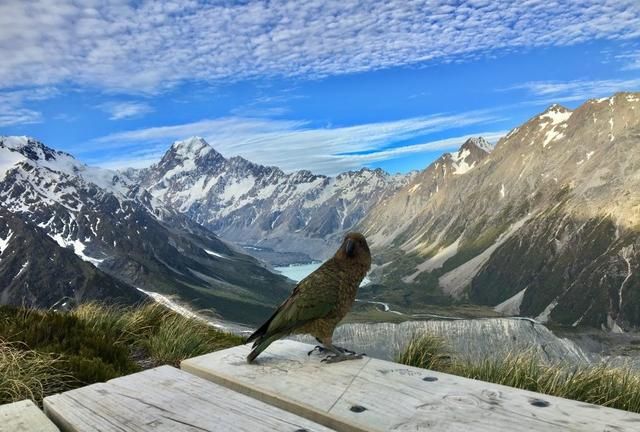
[
  {"x": 167, "y": 399},
  {"x": 376, "y": 395},
  {"x": 24, "y": 416}
]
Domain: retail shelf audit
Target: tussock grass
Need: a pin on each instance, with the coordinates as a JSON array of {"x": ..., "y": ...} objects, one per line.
[
  {"x": 43, "y": 352},
  {"x": 426, "y": 351},
  {"x": 26, "y": 374},
  {"x": 600, "y": 384}
]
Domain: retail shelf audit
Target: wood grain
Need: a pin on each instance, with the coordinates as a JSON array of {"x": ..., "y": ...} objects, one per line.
[
  {"x": 24, "y": 416},
  {"x": 167, "y": 399},
  {"x": 376, "y": 395}
]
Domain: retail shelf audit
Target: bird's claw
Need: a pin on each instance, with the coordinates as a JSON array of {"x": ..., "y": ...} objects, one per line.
[
  {"x": 340, "y": 358},
  {"x": 318, "y": 348}
]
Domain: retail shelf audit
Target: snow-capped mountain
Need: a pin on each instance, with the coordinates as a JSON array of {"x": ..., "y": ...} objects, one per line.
[
  {"x": 264, "y": 208},
  {"x": 123, "y": 234},
  {"x": 547, "y": 225},
  {"x": 393, "y": 216}
]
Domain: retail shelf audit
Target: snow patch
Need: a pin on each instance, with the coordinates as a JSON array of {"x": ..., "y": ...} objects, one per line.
[
  {"x": 24, "y": 266},
  {"x": 78, "y": 248},
  {"x": 460, "y": 165},
  {"x": 237, "y": 189},
  {"x": 216, "y": 254},
  {"x": 5, "y": 242},
  {"x": 552, "y": 135},
  {"x": 556, "y": 115},
  {"x": 8, "y": 160}
]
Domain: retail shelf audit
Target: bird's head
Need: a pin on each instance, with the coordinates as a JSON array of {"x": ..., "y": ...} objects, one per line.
[{"x": 354, "y": 248}]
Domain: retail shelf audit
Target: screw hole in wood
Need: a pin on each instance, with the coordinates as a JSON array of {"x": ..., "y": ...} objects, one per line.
[
  {"x": 430, "y": 379},
  {"x": 540, "y": 403},
  {"x": 357, "y": 409}
]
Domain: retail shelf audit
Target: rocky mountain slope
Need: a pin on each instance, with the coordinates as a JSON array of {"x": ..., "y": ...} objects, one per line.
[
  {"x": 547, "y": 225},
  {"x": 36, "y": 271},
  {"x": 264, "y": 208},
  {"x": 119, "y": 235}
]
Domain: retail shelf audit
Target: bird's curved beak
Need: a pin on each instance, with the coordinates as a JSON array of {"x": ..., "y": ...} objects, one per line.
[{"x": 350, "y": 248}]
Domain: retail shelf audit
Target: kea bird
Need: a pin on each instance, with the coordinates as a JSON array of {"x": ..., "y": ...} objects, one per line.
[{"x": 319, "y": 302}]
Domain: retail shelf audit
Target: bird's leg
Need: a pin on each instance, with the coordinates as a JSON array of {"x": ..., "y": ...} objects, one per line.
[
  {"x": 321, "y": 349},
  {"x": 339, "y": 354},
  {"x": 344, "y": 350}
]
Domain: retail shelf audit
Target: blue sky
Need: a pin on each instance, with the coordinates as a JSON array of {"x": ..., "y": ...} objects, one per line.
[{"x": 320, "y": 85}]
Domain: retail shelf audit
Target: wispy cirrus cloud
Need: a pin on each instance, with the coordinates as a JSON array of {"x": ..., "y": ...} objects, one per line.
[
  {"x": 292, "y": 145},
  {"x": 125, "y": 110},
  {"x": 147, "y": 46},
  {"x": 631, "y": 60},
  {"x": 575, "y": 90},
  {"x": 12, "y": 105}
]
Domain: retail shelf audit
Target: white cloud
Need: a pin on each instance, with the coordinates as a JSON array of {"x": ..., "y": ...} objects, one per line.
[
  {"x": 293, "y": 145},
  {"x": 577, "y": 90},
  {"x": 12, "y": 109},
  {"x": 146, "y": 46},
  {"x": 631, "y": 60},
  {"x": 125, "y": 110}
]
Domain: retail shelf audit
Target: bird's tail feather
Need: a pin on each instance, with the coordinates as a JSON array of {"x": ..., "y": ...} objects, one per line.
[{"x": 260, "y": 345}]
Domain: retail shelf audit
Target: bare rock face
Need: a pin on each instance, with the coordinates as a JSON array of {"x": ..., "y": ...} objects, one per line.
[
  {"x": 79, "y": 232},
  {"x": 547, "y": 225},
  {"x": 264, "y": 208}
]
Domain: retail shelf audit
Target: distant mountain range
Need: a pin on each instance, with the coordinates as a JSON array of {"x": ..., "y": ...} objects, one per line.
[
  {"x": 300, "y": 215},
  {"x": 81, "y": 233},
  {"x": 547, "y": 225}
]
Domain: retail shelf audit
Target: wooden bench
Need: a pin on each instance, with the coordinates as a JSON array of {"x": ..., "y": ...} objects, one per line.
[
  {"x": 24, "y": 416},
  {"x": 166, "y": 399},
  {"x": 376, "y": 395}
]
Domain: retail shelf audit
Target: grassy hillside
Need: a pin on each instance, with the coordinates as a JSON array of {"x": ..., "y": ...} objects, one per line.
[
  {"x": 45, "y": 352},
  {"x": 599, "y": 384}
]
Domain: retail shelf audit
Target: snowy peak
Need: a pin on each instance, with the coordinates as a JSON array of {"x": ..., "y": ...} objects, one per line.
[
  {"x": 555, "y": 114},
  {"x": 184, "y": 157},
  {"x": 193, "y": 147},
  {"x": 470, "y": 153},
  {"x": 15, "y": 149},
  {"x": 31, "y": 148},
  {"x": 556, "y": 206},
  {"x": 252, "y": 204},
  {"x": 92, "y": 226},
  {"x": 478, "y": 142}
]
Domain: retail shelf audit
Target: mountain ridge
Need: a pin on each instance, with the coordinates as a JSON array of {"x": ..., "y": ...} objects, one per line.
[
  {"x": 122, "y": 231},
  {"x": 262, "y": 207},
  {"x": 549, "y": 220}
]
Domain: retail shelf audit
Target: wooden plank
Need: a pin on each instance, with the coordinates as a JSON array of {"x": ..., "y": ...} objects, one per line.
[
  {"x": 24, "y": 416},
  {"x": 376, "y": 395},
  {"x": 166, "y": 399}
]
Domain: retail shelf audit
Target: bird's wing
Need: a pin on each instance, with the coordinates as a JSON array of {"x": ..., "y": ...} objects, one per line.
[{"x": 316, "y": 296}]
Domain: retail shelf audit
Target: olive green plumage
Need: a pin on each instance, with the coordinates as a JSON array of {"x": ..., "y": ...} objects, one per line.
[{"x": 319, "y": 301}]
